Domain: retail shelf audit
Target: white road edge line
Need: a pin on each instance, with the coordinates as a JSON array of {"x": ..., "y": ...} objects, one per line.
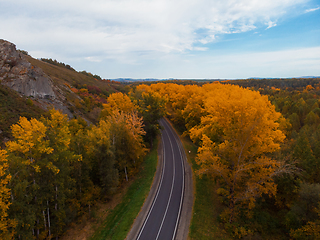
[
  {"x": 158, "y": 190},
  {"x": 173, "y": 177}
]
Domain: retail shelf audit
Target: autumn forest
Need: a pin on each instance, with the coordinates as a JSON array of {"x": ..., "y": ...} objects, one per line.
[{"x": 258, "y": 141}]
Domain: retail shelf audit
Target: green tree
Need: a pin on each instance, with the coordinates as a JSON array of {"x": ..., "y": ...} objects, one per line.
[
  {"x": 305, "y": 158},
  {"x": 104, "y": 160},
  {"x": 304, "y": 209},
  {"x": 151, "y": 106},
  {"x": 312, "y": 118},
  {"x": 295, "y": 122},
  {"x": 83, "y": 171},
  {"x": 309, "y": 231}
]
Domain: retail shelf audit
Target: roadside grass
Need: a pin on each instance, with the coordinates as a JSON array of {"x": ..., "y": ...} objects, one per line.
[
  {"x": 120, "y": 219},
  {"x": 207, "y": 206}
]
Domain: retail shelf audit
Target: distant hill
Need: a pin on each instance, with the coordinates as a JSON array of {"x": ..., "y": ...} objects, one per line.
[
  {"x": 130, "y": 80},
  {"x": 310, "y": 77},
  {"x": 135, "y": 80}
]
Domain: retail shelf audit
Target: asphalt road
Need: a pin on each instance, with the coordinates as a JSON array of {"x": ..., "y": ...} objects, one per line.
[{"x": 161, "y": 222}]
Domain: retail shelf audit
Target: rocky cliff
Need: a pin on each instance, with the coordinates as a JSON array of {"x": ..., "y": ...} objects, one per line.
[
  {"x": 51, "y": 85},
  {"x": 17, "y": 73}
]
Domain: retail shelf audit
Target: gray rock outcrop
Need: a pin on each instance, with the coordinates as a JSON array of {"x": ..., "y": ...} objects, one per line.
[{"x": 17, "y": 73}]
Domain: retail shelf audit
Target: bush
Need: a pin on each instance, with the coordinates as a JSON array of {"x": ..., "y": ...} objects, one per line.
[{"x": 29, "y": 102}]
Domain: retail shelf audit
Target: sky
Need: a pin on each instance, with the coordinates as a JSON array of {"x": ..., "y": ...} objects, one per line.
[{"x": 190, "y": 39}]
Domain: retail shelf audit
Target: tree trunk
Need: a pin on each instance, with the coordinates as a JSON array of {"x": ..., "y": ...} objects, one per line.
[
  {"x": 80, "y": 182},
  {"x": 125, "y": 170},
  {"x": 56, "y": 203},
  {"x": 38, "y": 229},
  {"x": 49, "y": 220},
  {"x": 231, "y": 205},
  {"x": 44, "y": 220}
]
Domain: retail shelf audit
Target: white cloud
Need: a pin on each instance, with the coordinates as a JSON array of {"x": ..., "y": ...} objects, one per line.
[
  {"x": 200, "y": 48},
  {"x": 93, "y": 59},
  {"x": 312, "y": 9},
  {"x": 271, "y": 24},
  {"x": 284, "y": 63},
  {"x": 121, "y": 29},
  {"x": 153, "y": 38}
]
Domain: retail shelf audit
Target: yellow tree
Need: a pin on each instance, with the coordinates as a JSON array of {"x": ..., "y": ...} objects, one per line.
[
  {"x": 177, "y": 99},
  {"x": 41, "y": 163},
  {"x": 184, "y": 103},
  {"x": 173, "y": 95},
  {"x": 30, "y": 142},
  {"x": 160, "y": 88},
  {"x": 26, "y": 154},
  {"x": 134, "y": 125},
  {"x": 126, "y": 131},
  {"x": 237, "y": 131},
  {"x": 117, "y": 102},
  {"x": 5, "y": 223},
  {"x": 193, "y": 110}
]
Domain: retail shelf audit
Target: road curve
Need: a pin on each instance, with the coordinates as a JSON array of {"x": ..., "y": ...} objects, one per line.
[{"x": 163, "y": 216}]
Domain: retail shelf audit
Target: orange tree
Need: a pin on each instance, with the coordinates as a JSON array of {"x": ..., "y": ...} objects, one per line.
[{"x": 237, "y": 132}]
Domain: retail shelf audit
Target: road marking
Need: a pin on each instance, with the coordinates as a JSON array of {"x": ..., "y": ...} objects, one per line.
[
  {"x": 158, "y": 190},
  {"x": 165, "y": 131},
  {"x": 173, "y": 177},
  {"x": 182, "y": 194}
]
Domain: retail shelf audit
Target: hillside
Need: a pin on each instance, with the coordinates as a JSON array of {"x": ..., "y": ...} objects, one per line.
[
  {"x": 40, "y": 85},
  {"x": 82, "y": 93},
  {"x": 61, "y": 75},
  {"x": 12, "y": 106}
]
